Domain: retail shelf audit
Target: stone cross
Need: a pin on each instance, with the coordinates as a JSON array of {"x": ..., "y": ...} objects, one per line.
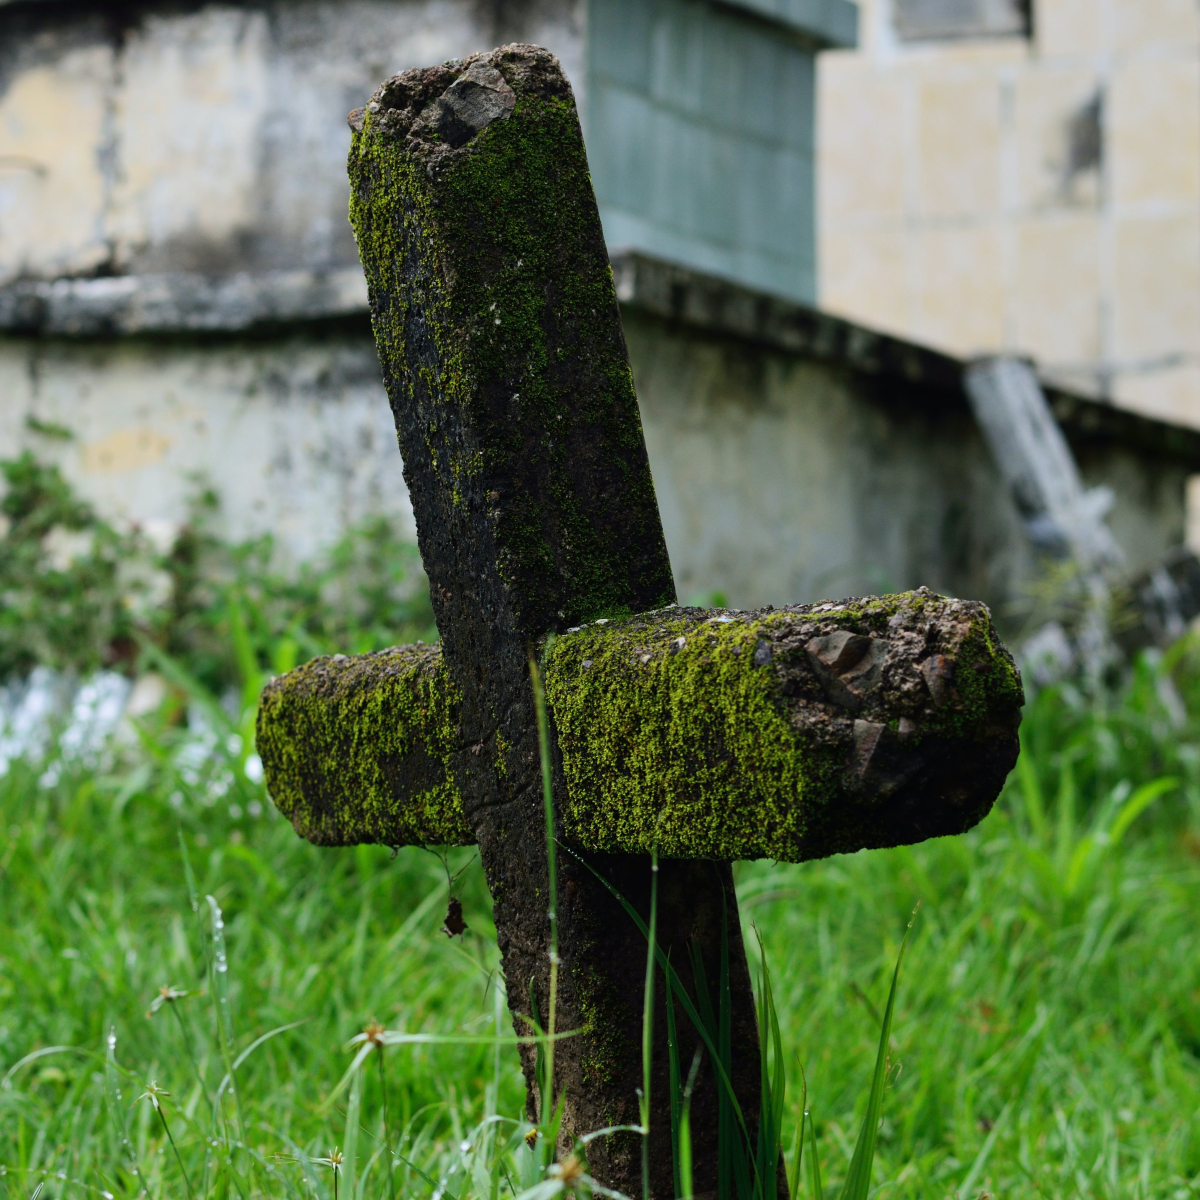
[{"x": 710, "y": 735}]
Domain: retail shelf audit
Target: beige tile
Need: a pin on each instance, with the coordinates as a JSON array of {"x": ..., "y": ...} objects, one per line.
[
  {"x": 960, "y": 302},
  {"x": 1192, "y": 502},
  {"x": 1141, "y": 24},
  {"x": 1069, "y": 28},
  {"x": 959, "y": 144},
  {"x": 971, "y": 54},
  {"x": 860, "y": 148},
  {"x": 1153, "y": 131},
  {"x": 1058, "y": 288},
  {"x": 863, "y": 275},
  {"x": 1050, "y": 103},
  {"x": 51, "y": 184},
  {"x": 1157, "y": 309},
  {"x": 1171, "y": 394}
]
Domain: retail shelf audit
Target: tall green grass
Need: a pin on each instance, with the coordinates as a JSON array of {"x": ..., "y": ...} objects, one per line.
[{"x": 1046, "y": 1041}]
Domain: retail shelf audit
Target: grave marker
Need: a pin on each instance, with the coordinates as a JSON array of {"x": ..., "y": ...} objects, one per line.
[{"x": 712, "y": 735}]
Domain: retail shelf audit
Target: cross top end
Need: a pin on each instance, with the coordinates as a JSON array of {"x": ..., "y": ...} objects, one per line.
[
  {"x": 496, "y": 320},
  {"x": 787, "y": 733}
]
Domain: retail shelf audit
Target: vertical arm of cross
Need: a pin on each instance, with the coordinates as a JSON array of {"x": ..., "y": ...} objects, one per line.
[{"x": 498, "y": 331}]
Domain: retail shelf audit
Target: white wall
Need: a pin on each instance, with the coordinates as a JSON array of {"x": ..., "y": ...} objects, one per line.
[{"x": 296, "y": 435}]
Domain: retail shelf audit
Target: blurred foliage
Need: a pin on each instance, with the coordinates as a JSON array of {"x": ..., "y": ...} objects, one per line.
[
  {"x": 67, "y": 594},
  {"x": 77, "y": 592}
]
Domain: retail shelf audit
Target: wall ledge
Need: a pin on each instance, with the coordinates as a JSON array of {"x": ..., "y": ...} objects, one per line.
[
  {"x": 179, "y": 302},
  {"x": 693, "y": 300},
  {"x": 183, "y": 303}
]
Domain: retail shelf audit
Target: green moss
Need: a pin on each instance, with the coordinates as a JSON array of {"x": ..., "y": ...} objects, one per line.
[
  {"x": 603, "y": 1040},
  {"x": 360, "y": 749},
  {"x": 695, "y": 748},
  {"x": 681, "y": 750},
  {"x": 691, "y": 747},
  {"x": 503, "y": 243}
]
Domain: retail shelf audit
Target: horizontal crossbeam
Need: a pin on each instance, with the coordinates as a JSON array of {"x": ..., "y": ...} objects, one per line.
[{"x": 788, "y": 734}]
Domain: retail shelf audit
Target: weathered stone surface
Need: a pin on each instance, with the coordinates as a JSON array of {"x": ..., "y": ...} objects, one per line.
[
  {"x": 498, "y": 331},
  {"x": 360, "y": 749},
  {"x": 713, "y": 734},
  {"x": 724, "y": 735}
]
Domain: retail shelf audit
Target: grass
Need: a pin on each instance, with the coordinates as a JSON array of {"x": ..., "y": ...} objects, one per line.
[{"x": 1046, "y": 1040}]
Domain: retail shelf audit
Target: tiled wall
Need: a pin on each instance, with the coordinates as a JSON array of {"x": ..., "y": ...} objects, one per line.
[{"x": 961, "y": 200}]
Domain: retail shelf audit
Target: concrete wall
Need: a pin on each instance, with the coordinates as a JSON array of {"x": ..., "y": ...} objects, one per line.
[
  {"x": 179, "y": 287},
  {"x": 1039, "y": 195},
  {"x": 141, "y": 138},
  {"x": 211, "y": 137},
  {"x": 783, "y": 478},
  {"x": 796, "y": 457},
  {"x": 295, "y": 434}
]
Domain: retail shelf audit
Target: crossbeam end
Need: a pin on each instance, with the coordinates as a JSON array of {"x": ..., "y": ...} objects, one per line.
[
  {"x": 358, "y": 749},
  {"x": 789, "y": 734}
]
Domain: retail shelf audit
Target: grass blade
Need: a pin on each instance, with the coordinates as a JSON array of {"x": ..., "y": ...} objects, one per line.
[
  {"x": 648, "y": 1023},
  {"x": 814, "y": 1162},
  {"x": 858, "y": 1178}
]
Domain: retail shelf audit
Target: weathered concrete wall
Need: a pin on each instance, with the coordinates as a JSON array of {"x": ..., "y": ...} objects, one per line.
[
  {"x": 151, "y": 137},
  {"x": 1034, "y": 194},
  {"x": 783, "y": 478},
  {"x": 796, "y": 456},
  {"x": 294, "y": 434},
  {"x": 178, "y": 285},
  {"x": 211, "y": 137}
]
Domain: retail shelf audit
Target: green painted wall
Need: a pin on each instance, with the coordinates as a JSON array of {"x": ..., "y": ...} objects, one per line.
[{"x": 699, "y": 123}]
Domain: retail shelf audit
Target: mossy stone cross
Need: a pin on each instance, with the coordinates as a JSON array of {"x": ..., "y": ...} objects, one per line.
[{"x": 711, "y": 735}]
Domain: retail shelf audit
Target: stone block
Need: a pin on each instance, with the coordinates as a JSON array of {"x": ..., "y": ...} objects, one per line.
[
  {"x": 1152, "y": 132},
  {"x": 864, "y": 271},
  {"x": 188, "y": 116},
  {"x": 1069, "y": 28},
  {"x": 1159, "y": 24},
  {"x": 1057, "y": 307},
  {"x": 861, "y": 166},
  {"x": 52, "y": 184},
  {"x": 960, "y": 292},
  {"x": 959, "y": 163},
  {"x": 1157, "y": 286}
]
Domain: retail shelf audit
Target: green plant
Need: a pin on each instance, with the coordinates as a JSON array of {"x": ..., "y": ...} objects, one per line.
[
  {"x": 79, "y": 594},
  {"x": 1045, "y": 1039},
  {"x": 1050, "y": 1035},
  {"x": 71, "y": 586}
]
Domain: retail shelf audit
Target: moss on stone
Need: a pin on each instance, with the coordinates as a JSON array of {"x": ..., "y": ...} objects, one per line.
[
  {"x": 712, "y": 736},
  {"x": 709, "y": 734},
  {"x": 518, "y": 332},
  {"x": 359, "y": 749}
]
